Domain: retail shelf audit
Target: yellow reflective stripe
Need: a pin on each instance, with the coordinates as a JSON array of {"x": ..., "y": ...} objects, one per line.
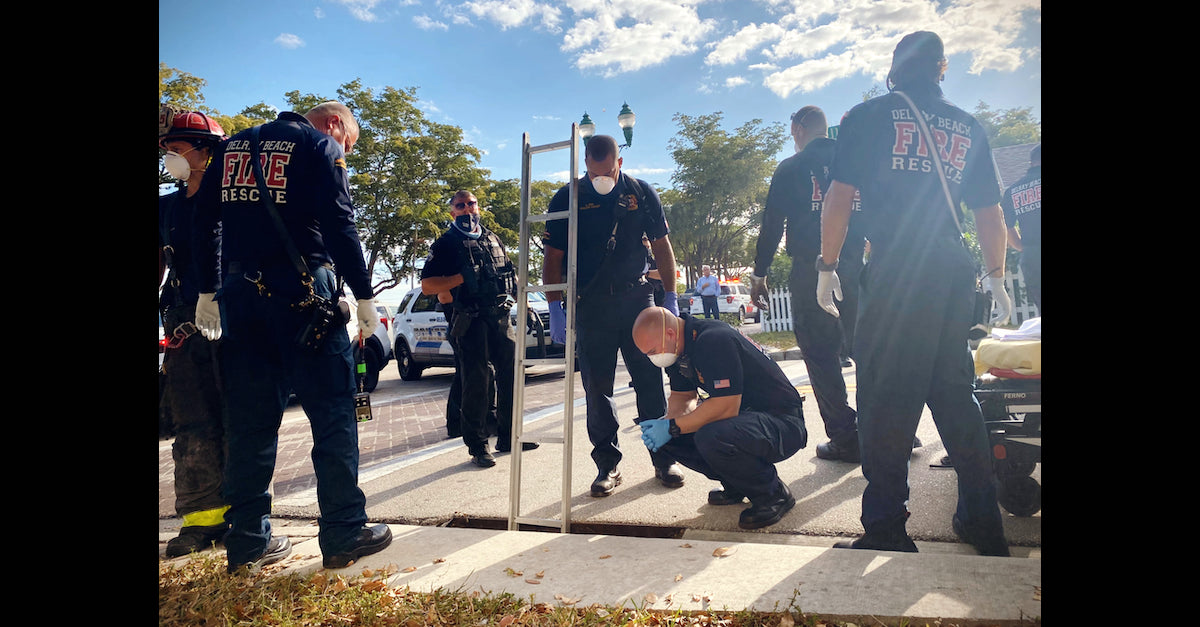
[{"x": 205, "y": 518}]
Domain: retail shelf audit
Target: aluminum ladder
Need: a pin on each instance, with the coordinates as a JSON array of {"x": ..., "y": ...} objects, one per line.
[{"x": 568, "y": 360}]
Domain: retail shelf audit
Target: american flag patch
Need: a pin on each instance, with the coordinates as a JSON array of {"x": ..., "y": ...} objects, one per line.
[{"x": 720, "y": 383}]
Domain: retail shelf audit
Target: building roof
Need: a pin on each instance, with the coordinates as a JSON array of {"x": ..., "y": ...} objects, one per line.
[{"x": 1012, "y": 162}]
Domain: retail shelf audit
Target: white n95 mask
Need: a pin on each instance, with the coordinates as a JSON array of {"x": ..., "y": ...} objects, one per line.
[
  {"x": 603, "y": 184},
  {"x": 662, "y": 360},
  {"x": 177, "y": 166}
]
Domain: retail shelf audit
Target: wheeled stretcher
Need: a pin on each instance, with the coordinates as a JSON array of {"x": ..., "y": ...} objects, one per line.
[{"x": 1008, "y": 386}]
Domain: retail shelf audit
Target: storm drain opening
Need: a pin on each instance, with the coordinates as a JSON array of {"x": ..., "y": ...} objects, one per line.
[{"x": 584, "y": 528}]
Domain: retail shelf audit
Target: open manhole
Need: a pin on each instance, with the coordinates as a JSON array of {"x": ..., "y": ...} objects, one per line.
[{"x": 586, "y": 528}]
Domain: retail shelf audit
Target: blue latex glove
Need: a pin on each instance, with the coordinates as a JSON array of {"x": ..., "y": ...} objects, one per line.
[
  {"x": 655, "y": 433},
  {"x": 558, "y": 322},
  {"x": 670, "y": 302}
]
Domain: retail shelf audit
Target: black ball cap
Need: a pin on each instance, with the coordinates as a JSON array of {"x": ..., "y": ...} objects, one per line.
[{"x": 919, "y": 46}]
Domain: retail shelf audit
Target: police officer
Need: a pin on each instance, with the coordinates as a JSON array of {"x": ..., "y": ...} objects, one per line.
[
  {"x": 1022, "y": 205},
  {"x": 752, "y": 419},
  {"x": 470, "y": 262},
  {"x": 615, "y": 210},
  {"x": 265, "y": 304},
  {"x": 917, "y": 291},
  {"x": 190, "y": 363}
]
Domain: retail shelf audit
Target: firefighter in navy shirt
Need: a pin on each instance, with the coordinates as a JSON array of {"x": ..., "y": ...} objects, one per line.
[
  {"x": 752, "y": 419},
  {"x": 615, "y": 210},
  {"x": 303, "y": 160},
  {"x": 916, "y": 297},
  {"x": 1022, "y": 205}
]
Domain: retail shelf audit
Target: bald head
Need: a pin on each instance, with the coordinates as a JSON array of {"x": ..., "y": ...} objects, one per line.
[{"x": 657, "y": 330}]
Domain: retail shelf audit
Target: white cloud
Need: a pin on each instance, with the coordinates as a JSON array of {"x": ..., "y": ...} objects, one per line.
[
  {"x": 319, "y": 13},
  {"x": 734, "y": 81},
  {"x": 628, "y": 35},
  {"x": 424, "y": 22},
  {"x": 289, "y": 41},
  {"x": 734, "y": 48},
  {"x": 361, "y": 9},
  {"x": 513, "y": 13}
]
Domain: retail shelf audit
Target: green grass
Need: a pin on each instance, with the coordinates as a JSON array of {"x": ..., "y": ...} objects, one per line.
[{"x": 781, "y": 340}]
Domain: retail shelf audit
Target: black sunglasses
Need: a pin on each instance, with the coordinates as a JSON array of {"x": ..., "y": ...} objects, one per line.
[{"x": 464, "y": 205}]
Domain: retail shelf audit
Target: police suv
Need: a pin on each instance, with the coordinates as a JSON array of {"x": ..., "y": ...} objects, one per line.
[{"x": 421, "y": 332}]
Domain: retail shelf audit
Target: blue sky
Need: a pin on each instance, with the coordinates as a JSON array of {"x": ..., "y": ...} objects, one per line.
[{"x": 501, "y": 68}]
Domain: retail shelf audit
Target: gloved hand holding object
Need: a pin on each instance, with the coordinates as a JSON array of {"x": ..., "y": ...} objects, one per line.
[
  {"x": 655, "y": 433},
  {"x": 558, "y": 322},
  {"x": 208, "y": 316},
  {"x": 671, "y": 302},
  {"x": 758, "y": 293},
  {"x": 368, "y": 317},
  {"x": 1000, "y": 297}
]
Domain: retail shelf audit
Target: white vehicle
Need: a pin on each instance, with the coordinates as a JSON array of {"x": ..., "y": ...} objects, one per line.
[
  {"x": 734, "y": 299},
  {"x": 377, "y": 347},
  {"x": 421, "y": 332}
]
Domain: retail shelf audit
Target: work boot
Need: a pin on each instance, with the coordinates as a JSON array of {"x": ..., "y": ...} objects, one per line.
[
  {"x": 196, "y": 538},
  {"x": 606, "y": 482},
  {"x": 893, "y": 538},
  {"x": 670, "y": 476},
  {"x": 504, "y": 445},
  {"x": 995, "y": 547},
  {"x": 370, "y": 540},
  {"x": 278, "y": 548},
  {"x": 845, "y": 452},
  {"x": 725, "y": 496},
  {"x": 768, "y": 512},
  {"x": 483, "y": 460}
]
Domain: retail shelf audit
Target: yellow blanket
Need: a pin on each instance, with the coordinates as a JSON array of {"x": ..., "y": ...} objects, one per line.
[{"x": 1020, "y": 356}]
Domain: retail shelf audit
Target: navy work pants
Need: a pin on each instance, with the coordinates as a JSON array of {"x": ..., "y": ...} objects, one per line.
[
  {"x": 488, "y": 346},
  {"x": 741, "y": 451},
  {"x": 599, "y": 334},
  {"x": 262, "y": 363},
  {"x": 819, "y": 337},
  {"x": 911, "y": 349}
]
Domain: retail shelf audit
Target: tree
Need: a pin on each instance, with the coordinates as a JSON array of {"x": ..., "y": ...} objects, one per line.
[
  {"x": 404, "y": 168},
  {"x": 721, "y": 181},
  {"x": 1008, "y": 127}
]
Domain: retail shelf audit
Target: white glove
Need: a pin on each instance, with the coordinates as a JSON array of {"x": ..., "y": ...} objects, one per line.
[
  {"x": 368, "y": 317},
  {"x": 829, "y": 286},
  {"x": 995, "y": 285},
  {"x": 208, "y": 316}
]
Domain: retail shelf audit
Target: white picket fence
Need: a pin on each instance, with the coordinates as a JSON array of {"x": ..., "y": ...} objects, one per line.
[{"x": 780, "y": 317}]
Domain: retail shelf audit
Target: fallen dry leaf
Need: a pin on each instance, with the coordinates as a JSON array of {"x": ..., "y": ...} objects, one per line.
[
  {"x": 374, "y": 586},
  {"x": 507, "y": 620},
  {"x": 650, "y": 598},
  {"x": 513, "y": 573},
  {"x": 604, "y": 557},
  {"x": 533, "y": 581},
  {"x": 409, "y": 569},
  {"x": 439, "y": 560},
  {"x": 678, "y": 577},
  {"x": 685, "y": 545},
  {"x": 724, "y": 551},
  {"x": 1037, "y": 593},
  {"x": 540, "y": 574},
  {"x": 565, "y": 600},
  {"x": 786, "y": 621},
  {"x": 368, "y": 573}
]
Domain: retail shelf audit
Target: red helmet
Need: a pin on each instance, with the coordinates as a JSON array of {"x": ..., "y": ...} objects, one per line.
[{"x": 188, "y": 125}]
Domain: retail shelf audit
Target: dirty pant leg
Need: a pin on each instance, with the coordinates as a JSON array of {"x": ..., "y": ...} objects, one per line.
[
  {"x": 820, "y": 340},
  {"x": 741, "y": 452},
  {"x": 198, "y": 407}
]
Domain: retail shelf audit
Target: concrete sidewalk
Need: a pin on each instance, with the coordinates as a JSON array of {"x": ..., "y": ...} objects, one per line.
[{"x": 647, "y": 545}]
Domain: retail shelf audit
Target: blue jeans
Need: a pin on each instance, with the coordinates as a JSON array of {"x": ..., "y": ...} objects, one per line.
[
  {"x": 598, "y": 340},
  {"x": 911, "y": 346},
  {"x": 262, "y": 363}
]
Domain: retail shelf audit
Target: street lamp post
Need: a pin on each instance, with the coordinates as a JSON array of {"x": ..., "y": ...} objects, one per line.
[{"x": 625, "y": 119}]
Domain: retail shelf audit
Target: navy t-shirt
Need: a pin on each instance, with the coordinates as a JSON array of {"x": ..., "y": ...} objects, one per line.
[
  {"x": 596, "y": 215},
  {"x": 723, "y": 362},
  {"x": 881, "y": 151},
  {"x": 1022, "y": 204}
]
